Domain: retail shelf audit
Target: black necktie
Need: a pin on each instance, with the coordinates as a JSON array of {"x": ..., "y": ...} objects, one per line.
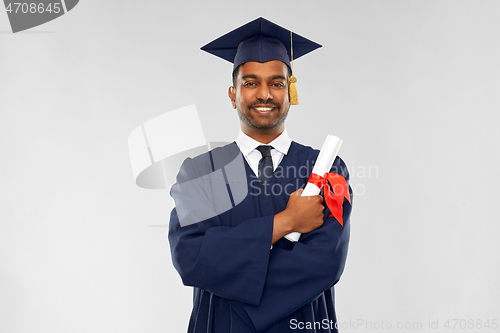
[{"x": 265, "y": 163}]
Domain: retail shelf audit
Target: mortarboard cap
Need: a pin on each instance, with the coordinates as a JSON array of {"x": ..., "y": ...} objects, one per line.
[{"x": 261, "y": 40}]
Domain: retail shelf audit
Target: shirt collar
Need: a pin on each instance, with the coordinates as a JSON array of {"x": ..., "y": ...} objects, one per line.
[{"x": 247, "y": 144}]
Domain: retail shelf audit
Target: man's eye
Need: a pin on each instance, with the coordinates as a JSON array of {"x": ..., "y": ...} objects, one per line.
[
  {"x": 280, "y": 85},
  {"x": 249, "y": 84}
]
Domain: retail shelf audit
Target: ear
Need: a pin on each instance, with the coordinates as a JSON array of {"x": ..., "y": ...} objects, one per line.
[{"x": 232, "y": 96}]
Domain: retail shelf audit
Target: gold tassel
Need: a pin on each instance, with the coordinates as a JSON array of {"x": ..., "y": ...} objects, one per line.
[
  {"x": 294, "y": 98},
  {"x": 292, "y": 90}
]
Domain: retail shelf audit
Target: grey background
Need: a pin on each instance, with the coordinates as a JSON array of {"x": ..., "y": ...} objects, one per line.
[{"x": 411, "y": 86}]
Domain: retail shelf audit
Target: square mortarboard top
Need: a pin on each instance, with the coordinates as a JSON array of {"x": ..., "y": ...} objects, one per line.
[{"x": 260, "y": 40}]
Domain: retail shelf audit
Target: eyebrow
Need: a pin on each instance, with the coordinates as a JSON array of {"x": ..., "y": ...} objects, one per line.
[
  {"x": 249, "y": 76},
  {"x": 274, "y": 77},
  {"x": 278, "y": 77}
]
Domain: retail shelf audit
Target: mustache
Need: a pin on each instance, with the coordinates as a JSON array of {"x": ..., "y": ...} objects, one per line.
[{"x": 267, "y": 102}]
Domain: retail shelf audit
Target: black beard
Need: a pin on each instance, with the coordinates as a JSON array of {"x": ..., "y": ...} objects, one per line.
[{"x": 247, "y": 120}]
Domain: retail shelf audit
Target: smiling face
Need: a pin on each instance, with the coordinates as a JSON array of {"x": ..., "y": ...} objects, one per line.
[{"x": 261, "y": 98}]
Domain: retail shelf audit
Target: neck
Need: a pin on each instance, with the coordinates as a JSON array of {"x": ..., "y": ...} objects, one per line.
[{"x": 263, "y": 136}]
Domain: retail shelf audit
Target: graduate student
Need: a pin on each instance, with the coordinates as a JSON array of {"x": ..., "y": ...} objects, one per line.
[{"x": 235, "y": 204}]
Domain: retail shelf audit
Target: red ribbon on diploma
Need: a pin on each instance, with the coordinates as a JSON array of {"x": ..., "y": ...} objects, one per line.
[{"x": 334, "y": 197}]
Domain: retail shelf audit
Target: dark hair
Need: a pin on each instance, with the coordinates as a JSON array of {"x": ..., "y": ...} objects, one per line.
[
  {"x": 237, "y": 70},
  {"x": 235, "y": 75}
]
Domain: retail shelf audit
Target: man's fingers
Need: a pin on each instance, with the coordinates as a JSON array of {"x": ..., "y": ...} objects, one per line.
[{"x": 316, "y": 197}]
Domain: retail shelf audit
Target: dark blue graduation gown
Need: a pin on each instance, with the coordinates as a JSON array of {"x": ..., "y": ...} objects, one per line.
[{"x": 240, "y": 284}]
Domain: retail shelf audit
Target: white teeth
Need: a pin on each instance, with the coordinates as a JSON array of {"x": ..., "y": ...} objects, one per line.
[{"x": 263, "y": 109}]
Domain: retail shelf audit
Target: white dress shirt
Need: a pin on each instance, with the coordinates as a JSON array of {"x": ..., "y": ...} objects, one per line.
[{"x": 247, "y": 146}]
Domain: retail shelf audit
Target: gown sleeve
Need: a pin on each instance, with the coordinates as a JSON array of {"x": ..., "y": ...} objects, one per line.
[{"x": 228, "y": 261}]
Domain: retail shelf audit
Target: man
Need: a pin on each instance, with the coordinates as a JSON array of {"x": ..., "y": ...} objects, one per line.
[{"x": 247, "y": 276}]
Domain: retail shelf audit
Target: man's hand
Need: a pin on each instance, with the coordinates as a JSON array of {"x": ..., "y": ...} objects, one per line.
[{"x": 302, "y": 214}]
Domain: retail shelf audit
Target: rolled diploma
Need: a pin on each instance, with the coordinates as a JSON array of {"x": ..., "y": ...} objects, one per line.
[{"x": 324, "y": 162}]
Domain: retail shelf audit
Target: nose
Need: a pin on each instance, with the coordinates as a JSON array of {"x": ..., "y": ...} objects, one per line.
[{"x": 264, "y": 92}]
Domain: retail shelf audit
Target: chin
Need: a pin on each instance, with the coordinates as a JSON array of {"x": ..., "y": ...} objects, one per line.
[{"x": 265, "y": 126}]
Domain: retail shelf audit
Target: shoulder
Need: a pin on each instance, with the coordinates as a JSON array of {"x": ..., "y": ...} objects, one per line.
[
  {"x": 208, "y": 162},
  {"x": 307, "y": 153},
  {"x": 302, "y": 151}
]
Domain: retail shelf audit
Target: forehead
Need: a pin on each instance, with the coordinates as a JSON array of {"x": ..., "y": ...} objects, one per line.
[{"x": 263, "y": 69}]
